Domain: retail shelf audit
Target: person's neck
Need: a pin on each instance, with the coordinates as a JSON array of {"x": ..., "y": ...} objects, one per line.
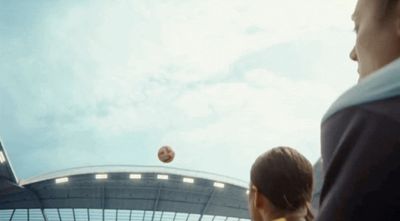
[{"x": 298, "y": 215}]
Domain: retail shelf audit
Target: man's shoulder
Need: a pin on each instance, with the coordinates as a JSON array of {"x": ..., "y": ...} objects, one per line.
[
  {"x": 385, "y": 110},
  {"x": 378, "y": 87},
  {"x": 388, "y": 108}
]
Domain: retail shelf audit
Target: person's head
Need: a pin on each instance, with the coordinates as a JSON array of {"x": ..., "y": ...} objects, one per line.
[
  {"x": 377, "y": 26},
  {"x": 281, "y": 186}
]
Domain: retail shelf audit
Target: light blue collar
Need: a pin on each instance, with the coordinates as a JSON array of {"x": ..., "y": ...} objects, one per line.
[{"x": 382, "y": 84}]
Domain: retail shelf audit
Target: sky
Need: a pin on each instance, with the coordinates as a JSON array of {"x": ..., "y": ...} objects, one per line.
[{"x": 221, "y": 81}]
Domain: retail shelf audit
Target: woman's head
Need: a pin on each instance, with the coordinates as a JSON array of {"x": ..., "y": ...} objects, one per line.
[{"x": 281, "y": 184}]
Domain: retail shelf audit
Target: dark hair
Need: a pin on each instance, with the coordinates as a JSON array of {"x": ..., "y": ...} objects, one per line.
[
  {"x": 387, "y": 6},
  {"x": 285, "y": 177}
]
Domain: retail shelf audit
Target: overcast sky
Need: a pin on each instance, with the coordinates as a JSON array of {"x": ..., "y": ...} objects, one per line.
[{"x": 221, "y": 81}]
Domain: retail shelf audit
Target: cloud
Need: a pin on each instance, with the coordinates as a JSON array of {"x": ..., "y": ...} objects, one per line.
[
  {"x": 247, "y": 117},
  {"x": 181, "y": 42},
  {"x": 211, "y": 78}
]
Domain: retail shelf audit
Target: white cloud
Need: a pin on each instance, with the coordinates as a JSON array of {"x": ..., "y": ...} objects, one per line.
[
  {"x": 262, "y": 111},
  {"x": 184, "y": 41},
  {"x": 128, "y": 67}
]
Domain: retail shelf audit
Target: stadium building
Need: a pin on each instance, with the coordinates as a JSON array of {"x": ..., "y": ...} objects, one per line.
[{"x": 121, "y": 193}]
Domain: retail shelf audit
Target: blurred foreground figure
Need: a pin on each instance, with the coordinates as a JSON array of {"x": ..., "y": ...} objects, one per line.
[
  {"x": 281, "y": 186},
  {"x": 361, "y": 130}
]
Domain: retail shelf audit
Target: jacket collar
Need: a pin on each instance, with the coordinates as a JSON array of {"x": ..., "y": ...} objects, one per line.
[{"x": 383, "y": 84}]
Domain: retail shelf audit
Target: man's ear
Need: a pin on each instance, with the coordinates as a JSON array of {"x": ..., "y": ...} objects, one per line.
[
  {"x": 261, "y": 202},
  {"x": 258, "y": 201}
]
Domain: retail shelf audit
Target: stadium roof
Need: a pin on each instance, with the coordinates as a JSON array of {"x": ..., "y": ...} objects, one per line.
[
  {"x": 138, "y": 190},
  {"x": 8, "y": 180}
]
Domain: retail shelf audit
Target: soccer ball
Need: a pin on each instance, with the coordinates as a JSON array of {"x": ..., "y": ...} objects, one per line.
[{"x": 166, "y": 154}]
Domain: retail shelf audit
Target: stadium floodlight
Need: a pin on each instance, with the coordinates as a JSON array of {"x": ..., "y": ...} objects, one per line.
[
  {"x": 2, "y": 157},
  {"x": 219, "y": 185},
  {"x": 62, "y": 180},
  {"x": 247, "y": 192},
  {"x": 101, "y": 176},
  {"x": 162, "y": 177},
  {"x": 188, "y": 180},
  {"x": 135, "y": 176}
]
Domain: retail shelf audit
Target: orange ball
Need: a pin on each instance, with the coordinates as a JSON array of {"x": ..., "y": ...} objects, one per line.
[{"x": 166, "y": 154}]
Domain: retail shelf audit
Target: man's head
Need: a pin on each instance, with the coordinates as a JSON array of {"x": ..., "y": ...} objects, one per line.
[
  {"x": 281, "y": 185},
  {"x": 377, "y": 25}
]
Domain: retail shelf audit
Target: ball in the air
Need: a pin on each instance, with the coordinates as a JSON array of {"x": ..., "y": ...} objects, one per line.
[{"x": 166, "y": 154}]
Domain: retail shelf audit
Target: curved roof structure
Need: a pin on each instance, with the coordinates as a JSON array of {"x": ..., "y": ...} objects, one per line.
[
  {"x": 138, "y": 190},
  {"x": 134, "y": 169},
  {"x": 8, "y": 179}
]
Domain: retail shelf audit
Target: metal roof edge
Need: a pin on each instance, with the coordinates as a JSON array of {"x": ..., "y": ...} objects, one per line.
[{"x": 135, "y": 169}]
